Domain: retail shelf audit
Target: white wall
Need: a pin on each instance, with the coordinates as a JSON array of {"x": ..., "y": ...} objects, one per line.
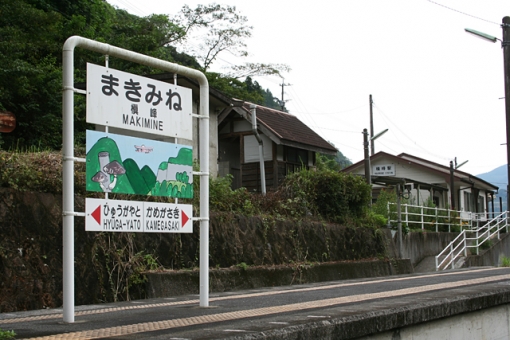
[
  {"x": 489, "y": 324},
  {"x": 251, "y": 149}
]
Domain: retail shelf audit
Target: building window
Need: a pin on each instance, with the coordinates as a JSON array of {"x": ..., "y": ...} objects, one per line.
[
  {"x": 468, "y": 201},
  {"x": 295, "y": 159},
  {"x": 481, "y": 204},
  {"x": 296, "y": 156},
  {"x": 435, "y": 199}
]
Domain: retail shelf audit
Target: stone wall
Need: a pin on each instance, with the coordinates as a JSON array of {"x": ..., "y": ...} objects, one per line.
[
  {"x": 182, "y": 282},
  {"x": 31, "y": 250}
]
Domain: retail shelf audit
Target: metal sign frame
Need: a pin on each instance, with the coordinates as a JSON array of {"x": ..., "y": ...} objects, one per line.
[{"x": 69, "y": 158}]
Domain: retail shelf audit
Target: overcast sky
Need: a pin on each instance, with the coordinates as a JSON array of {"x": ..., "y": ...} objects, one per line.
[{"x": 435, "y": 87}]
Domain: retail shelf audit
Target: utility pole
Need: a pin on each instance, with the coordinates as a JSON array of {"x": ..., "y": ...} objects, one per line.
[
  {"x": 368, "y": 175},
  {"x": 372, "y": 147},
  {"x": 505, "y": 44},
  {"x": 452, "y": 183},
  {"x": 283, "y": 91}
]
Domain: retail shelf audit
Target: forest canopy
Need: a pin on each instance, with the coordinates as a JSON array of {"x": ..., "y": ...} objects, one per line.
[{"x": 32, "y": 33}]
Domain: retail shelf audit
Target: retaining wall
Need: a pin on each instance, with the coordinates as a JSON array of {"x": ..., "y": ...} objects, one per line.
[
  {"x": 182, "y": 282},
  {"x": 492, "y": 256},
  {"x": 418, "y": 245}
]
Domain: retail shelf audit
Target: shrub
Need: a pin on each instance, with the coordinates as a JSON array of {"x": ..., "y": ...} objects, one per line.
[
  {"x": 37, "y": 171},
  {"x": 335, "y": 196},
  {"x": 223, "y": 198},
  {"x": 380, "y": 207}
]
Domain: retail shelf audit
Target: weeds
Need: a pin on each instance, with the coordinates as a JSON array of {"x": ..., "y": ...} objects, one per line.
[
  {"x": 5, "y": 335},
  {"x": 120, "y": 266},
  {"x": 243, "y": 266},
  {"x": 486, "y": 245}
]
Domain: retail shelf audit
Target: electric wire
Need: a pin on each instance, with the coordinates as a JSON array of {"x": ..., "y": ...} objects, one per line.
[
  {"x": 339, "y": 112},
  {"x": 129, "y": 6},
  {"x": 404, "y": 146},
  {"x": 463, "y": 13}
]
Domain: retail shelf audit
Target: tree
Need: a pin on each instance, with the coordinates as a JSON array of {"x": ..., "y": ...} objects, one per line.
[
  {"x": 30, "y": 77},
  {"x": 226, "y": 30},
  {"x": 257, "y": 69},
  {"x": 32, "y": 33},
  {"x": 336, "y": 163}
]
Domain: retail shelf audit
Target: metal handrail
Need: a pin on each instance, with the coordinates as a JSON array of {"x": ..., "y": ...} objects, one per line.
[
  {"x": 439, "y": 217},
  {"x": 497, "y": 223},
  {"x": 462, "y": 236}
]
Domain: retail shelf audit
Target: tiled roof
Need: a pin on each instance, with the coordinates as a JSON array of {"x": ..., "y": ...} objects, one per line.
[{"x": 288, "y": 128}]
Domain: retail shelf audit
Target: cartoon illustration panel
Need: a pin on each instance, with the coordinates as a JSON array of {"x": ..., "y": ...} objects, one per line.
[{"x": 129, "y": 165}]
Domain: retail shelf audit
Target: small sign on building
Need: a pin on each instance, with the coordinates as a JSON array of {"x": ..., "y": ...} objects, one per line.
[{"x": 383, "y": 170}]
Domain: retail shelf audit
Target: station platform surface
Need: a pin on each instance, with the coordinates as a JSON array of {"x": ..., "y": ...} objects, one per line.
[{"x": 340, "y": 309}]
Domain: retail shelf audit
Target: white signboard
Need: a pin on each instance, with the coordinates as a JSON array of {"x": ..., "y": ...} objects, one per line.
[
  {"x": 383, "y": 170},
  {"x": 131, "y": 102},
  {"x": 137, "y": 217}
]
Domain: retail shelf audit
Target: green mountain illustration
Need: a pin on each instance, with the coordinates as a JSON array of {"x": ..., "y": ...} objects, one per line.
[
  {"x": 184, "y": 157},
  {"x": 136, "y": 177},
  {"x": 107, "y": 172}
]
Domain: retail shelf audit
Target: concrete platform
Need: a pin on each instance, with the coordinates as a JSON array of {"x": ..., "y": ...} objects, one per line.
[{"x": 365, "y": 308}]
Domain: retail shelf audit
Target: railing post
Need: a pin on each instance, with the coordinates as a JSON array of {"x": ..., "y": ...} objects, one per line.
[
  {"x": 389, "y": 213},
  {"x": 449, "y": 216},
  {"x": 453, "y": 257},
  {"x": 477, "y": 250},
  {"x": 465, "y": 245},
  {"x": 437, "y": 263},
  {"x": 422, "y": 225},
  {"x": 437, "y": 220},
  {"x": 449, "y": 219},
  {"x": 506, "y": 221},
  {"x": 407, "y": 215}
]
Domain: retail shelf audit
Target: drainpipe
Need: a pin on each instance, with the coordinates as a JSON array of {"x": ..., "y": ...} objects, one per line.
[{"x": 253, "y": 109}]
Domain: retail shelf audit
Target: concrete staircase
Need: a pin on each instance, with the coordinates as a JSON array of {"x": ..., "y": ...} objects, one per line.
[{"x": 428, "y": 264}]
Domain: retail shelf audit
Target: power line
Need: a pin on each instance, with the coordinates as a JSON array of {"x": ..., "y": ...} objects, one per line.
[
  {"x": 337, "y": 112},
  {"x": 463, "y": 13},
  {"x": 129, "y": 6},
  {"x": 335, "y": 130},
  {"x": 409, "y": 138}
]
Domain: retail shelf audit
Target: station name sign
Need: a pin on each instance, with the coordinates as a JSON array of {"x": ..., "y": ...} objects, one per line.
[
  {"x": 127, "y": 101},
  {"x": 383, "y": 170}
]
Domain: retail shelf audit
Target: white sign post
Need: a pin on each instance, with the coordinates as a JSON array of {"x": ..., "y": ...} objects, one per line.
[{"x": 152, "y": 109}]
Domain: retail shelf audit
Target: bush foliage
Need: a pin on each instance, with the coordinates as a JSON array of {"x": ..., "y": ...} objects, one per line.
[{"x": 321, "y": 194}]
